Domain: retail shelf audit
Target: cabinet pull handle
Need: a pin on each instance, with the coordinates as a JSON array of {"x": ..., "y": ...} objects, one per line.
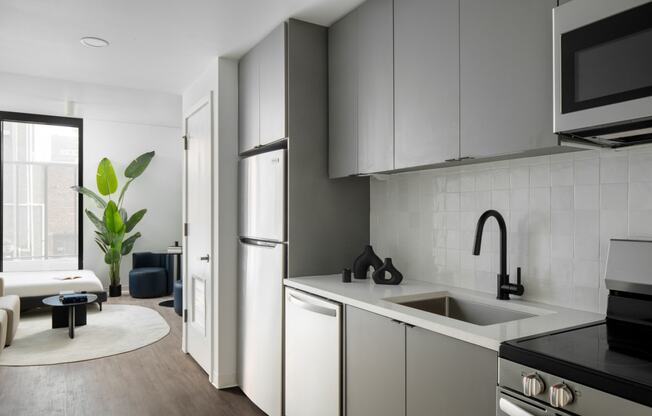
[
  {"x": 396, "y": 321},
  {"x": 459, "y": 159},
  {"x": 312, "y": 307}
]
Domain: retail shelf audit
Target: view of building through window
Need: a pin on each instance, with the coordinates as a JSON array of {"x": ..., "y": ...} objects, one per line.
[{"x": 40, "y": 211}]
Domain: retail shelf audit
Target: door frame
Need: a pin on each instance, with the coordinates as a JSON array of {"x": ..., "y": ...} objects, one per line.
[{"x": 207, "y": 100}]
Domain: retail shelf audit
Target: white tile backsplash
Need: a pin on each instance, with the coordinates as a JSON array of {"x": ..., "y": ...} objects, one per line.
[
  {"x": 561, "y": 197},
  {"x": 560, "y": 212},
  {"x": 519, "y": 177},
  {"x": 641, "y": 195},
  {"x": 587, "y": 171},
  {"x": 561, "y": 173},
  {"x": 540, "y": 175},
  {"x": 587, "y": 197}
]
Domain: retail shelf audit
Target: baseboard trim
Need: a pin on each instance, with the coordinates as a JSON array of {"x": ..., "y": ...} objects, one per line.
[{"x": 225, "y": 381}]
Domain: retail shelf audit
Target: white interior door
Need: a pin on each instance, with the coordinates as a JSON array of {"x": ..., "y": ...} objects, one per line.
[{"x": 198, "y": 283}]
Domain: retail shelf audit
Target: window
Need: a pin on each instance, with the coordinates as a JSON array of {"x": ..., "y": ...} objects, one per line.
[{"x": 41, "y": 216}]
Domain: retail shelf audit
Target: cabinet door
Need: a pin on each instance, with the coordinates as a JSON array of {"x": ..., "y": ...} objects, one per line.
[
  {"x": 375, "y": 86},
  {"x": 272, "y": 87},
  {"x": 342, "y": 91},
  {"x": 375, "y": 365},
  {"x": 506, "y": 87},
  {"x": 248, "y": 102},
  {"x": 446, "y": 376},
  {"x": 426, "y": 59}
]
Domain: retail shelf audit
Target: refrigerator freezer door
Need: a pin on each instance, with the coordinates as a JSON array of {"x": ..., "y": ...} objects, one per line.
[
  {"x": 312, "y": 355},
  {"x": 260, "y": 323},
  {"x": 262, "y": 196}
]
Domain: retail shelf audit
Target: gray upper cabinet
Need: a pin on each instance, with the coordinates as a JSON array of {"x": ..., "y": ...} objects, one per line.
[
  {"x": 343, "y": 78},
  {"x": 273, "y": 118},
  {"x": 426, "y": 65},
  {"x": 446, "y": 376},
  {"x": 248, "y": 102},
  {"x": 505, "y": 76},
  {"x": 375, "y": 86},
  {"x": 262, "y": 92},
  {"x": 375, "y": 365},
  {"x": 416, "y": 83},
  {"x": 361, "y": 96}
]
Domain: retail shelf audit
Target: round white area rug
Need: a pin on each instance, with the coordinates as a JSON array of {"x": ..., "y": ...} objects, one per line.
[{"x": 114, "y": 330}]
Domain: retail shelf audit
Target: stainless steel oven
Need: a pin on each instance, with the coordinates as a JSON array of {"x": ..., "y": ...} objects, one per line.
[
  {"x": 599, "y": 369},
  {"x": 527, "y": 391},
  {"x": 603, "y": 71}
]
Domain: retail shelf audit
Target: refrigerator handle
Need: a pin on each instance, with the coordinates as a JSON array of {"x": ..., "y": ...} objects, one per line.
[
  {"x": 260, "y": 243},
  {"x": 303, "y": 304}
]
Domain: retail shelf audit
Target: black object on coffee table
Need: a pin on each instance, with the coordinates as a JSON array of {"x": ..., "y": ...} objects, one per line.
[{"x": 69, "y": 314}]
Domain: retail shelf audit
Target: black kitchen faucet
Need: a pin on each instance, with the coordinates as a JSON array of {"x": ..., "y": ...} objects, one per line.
[{"x": 504, "y": 288}]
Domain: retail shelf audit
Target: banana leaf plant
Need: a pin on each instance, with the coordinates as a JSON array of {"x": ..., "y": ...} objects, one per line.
[{"x": 114, "y": 223}]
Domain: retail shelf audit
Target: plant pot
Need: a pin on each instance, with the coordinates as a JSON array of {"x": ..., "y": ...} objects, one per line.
[{"x": 115, "y": 291}]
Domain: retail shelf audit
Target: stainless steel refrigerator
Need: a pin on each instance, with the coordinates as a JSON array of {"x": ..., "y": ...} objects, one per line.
[{"x": 262, "y": 254}]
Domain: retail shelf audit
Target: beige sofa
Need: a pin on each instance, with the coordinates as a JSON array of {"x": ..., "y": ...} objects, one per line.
[
  {"x": 3, "y": 328},
  {"x": 10, "y": 304}
]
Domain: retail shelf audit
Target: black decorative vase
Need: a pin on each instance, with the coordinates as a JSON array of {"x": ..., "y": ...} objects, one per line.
[
  {"x": 379, "y": 276},
  {"x": 365, "y": 260},
  {"x": 115, "y": 291}
]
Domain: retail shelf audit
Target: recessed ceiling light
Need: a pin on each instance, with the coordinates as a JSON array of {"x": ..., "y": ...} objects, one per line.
[{"x": 94, "y": 42}]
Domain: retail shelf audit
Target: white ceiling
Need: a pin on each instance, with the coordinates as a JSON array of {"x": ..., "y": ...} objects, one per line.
[{"x": 160, "y": 45}]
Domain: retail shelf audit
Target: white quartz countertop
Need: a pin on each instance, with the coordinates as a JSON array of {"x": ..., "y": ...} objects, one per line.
[{"x": 366, "y": 295}]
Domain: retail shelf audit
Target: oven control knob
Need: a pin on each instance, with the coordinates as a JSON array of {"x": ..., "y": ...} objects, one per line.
[
  {"x": 560, "y": 395},
  {"x": 533, "y": 385}
]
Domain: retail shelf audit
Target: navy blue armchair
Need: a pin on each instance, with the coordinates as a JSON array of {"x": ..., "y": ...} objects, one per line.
[{"x": 151, "y": 276}]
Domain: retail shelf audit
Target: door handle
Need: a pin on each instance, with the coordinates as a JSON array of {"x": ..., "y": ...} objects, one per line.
[
  {"x": 206, "y": 258},
  {"x": 259, "y": 243},
  {"x": 312, "y": 307},
  {"x": 511, "y": 409}
]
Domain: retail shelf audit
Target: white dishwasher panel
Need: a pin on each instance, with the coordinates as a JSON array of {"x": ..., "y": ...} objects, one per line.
[{"x": 313, "y": 355}]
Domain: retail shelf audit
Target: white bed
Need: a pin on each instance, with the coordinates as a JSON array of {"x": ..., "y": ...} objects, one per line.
[{"x": 33, "y": 286}]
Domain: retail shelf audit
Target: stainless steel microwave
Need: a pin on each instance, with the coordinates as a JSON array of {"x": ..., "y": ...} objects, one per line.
[{"x": 603, "y": 71}]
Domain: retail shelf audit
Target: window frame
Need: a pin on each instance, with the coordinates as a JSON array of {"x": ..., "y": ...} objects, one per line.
[{"x": 8, "y": 116}]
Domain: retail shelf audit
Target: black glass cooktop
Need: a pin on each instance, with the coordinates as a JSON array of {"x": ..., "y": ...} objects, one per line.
[{"x": 605, "y": 357}]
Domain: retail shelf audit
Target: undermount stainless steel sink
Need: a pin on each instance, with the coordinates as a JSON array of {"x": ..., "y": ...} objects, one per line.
[{"x": 466, "y": 310}]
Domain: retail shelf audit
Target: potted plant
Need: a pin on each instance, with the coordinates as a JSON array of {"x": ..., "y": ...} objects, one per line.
[{"x": 114, "y": 224}]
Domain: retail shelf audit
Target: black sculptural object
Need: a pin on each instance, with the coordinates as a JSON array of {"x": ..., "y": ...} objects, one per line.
[
  {"x": 365, "y": 260},
  {"x": 395, "y": 277}
]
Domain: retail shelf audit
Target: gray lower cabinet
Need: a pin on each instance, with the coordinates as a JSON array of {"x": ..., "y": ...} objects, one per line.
[
  {"x": 342, "y": 96},
  {"x": 248, "y": 102},
  {"x": 396, "y": 369},
  {"x": 426, "y": 77},
  {"x": 375, "y": 365},
  {"x": 445, "y": 376},
  {"x": 506, "y": 86},
  {"x": 273, "y": 119}
]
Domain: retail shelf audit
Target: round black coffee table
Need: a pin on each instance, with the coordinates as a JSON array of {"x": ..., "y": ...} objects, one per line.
[{"x": 69, "y": 314}]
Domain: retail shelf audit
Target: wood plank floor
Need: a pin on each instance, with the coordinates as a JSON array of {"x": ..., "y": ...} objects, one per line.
[{"x": 157, "y": 380}]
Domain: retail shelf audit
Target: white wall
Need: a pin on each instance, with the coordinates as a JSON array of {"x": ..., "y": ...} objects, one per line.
[
  {"x": 120, "y": 124},
  {"x": 560, "y": 211},
  {"x": 221, "y": 77}
]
